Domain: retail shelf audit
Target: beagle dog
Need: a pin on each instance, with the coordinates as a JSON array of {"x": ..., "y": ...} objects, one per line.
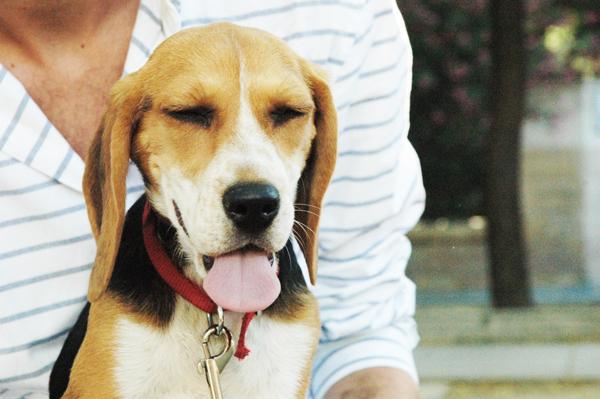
[{"x": 235, "y": 136}]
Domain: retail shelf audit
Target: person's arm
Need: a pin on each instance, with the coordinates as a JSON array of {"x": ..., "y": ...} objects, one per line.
[
  {"x": 375, "y": 383},
  {"x": 376, "y": 197}
]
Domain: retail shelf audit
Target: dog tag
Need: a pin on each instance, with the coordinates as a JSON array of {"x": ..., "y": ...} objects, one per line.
[{"x": 212, "y": 365}]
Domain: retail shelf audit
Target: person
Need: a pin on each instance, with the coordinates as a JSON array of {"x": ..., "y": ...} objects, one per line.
[{"x": 58, "y": 61}]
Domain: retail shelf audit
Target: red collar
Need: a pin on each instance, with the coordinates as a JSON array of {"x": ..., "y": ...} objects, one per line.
[{"x": 185, "y": 287}]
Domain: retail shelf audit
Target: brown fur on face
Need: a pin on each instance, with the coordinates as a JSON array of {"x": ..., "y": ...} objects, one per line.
[{"x": 218, "y": 68}]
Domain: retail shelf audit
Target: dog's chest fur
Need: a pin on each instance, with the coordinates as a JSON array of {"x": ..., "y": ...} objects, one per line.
[{"x": 152, "y": 363}]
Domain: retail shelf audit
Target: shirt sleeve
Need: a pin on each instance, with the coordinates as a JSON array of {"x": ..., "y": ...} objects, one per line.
[{"x": 376, "y": 196}]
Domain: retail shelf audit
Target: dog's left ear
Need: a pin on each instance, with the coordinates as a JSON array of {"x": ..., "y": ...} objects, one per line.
[
  {"x": 104, "y": 179},
  {"x": 318, "y": 169}
]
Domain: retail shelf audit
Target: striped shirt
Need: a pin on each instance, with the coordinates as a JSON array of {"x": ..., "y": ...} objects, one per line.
[{"x": 376, "y": 196}]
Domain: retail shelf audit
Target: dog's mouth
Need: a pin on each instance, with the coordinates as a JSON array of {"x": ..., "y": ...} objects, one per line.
[
  {"x": 209, "y": 261},
  {"x": 244, "y": 280}
]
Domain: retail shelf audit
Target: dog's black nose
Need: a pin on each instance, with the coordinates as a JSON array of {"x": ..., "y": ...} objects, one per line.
[{"x": 251, "y": 206}]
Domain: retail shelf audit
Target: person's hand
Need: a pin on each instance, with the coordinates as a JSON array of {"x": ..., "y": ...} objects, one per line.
[{"x": 375, "y": 383}]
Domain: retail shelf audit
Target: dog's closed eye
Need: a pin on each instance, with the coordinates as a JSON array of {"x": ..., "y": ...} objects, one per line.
[
  {"x": 282, "y": 114},
  {"x": 201, "y": 115}
]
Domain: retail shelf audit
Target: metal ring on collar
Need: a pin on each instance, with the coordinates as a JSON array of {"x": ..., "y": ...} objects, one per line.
[{"x": 220, "y": 320}]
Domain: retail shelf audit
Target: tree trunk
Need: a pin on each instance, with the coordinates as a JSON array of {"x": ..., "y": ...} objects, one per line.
[{"x": 509, "y": 276}]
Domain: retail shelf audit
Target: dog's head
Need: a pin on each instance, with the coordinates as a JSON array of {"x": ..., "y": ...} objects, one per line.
[{"x": 235, "y": 136}]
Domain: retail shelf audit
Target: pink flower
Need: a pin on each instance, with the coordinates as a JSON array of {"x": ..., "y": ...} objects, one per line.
[
  {"x": 425, "y": 82},
  {"x": 483, "y": 58},
  {"x": 459, "y": 72},
  {"x": 462, "y": 97},
  {"x": 591, "y": 17},
  {"x": 479, "y": 5},
  {"x": 464, "y": 39},
  {"x": 533, "y": 5}
]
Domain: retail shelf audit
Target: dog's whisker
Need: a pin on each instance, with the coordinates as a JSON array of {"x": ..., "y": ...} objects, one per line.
[
  {"x": 299, "y": 241},
  {"x": 303, "y": 245},
  {"x": 305, "y": 227},
  {"x": 306, "y": 211},
  {"x": 307, "y": 205},
  {"x": 301, "y": 182},
  {"x": 296, "y": 223},
  {"x": 288, "y": 254}
]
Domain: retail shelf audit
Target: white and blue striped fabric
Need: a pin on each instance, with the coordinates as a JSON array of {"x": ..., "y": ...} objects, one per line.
[{"x": 376, "y": 197}]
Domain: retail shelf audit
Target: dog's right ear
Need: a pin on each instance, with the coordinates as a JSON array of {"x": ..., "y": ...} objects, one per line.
[
  {"x": 319, "y": 167},
  {"x": 104, "y": 186}
]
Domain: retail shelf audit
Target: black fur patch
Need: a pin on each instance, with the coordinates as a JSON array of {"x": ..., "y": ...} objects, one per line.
[
  {"x": 293, "y": 286},
  {"x": 59, "y": 377},
  {"x": 134, "y": 281}
]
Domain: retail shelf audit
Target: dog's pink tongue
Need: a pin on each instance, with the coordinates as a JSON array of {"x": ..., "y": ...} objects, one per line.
[{"x": 242, "y": 281}]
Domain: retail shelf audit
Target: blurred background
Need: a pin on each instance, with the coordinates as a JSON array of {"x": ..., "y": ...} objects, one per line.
[{"x": 506, "y": 119}]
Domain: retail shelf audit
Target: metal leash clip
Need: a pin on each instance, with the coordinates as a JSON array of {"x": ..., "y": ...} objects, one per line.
[{"x": 213, "y": 365}]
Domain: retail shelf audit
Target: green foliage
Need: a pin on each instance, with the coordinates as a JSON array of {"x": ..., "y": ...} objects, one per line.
[
  {"x": 563, "y": 40},
  {"x": 450, "y": 116},
  {"x": 450, "y": 42}
]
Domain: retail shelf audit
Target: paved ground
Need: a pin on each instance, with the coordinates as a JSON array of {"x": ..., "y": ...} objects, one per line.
[
  {"x": 473, "y": 352},
  {"x": 443, "y": 325},
  {"x": 450, "y": 257},
  {"x": 531, "y": 362},
  {"x": 499, "y": 390}
]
